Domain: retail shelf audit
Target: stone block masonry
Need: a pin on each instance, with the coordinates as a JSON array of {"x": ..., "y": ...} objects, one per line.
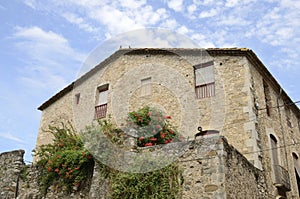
[
  {"x": 212, "y": 169},
  {"x": 11, "y": 165}
]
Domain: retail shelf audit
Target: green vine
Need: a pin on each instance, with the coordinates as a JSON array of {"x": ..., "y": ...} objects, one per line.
[{"x": 161, "y": 184}]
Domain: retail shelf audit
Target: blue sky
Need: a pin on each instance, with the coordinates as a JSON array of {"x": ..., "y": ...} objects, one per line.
[{"x": 45, "y": 43}]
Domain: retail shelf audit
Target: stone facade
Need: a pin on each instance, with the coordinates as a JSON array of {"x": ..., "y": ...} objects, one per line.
[
  {"x": 211, "y": 169},
  {"x": 238, "y": 110}
]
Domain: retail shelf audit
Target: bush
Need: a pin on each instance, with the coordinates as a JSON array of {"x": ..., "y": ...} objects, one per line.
[{"x": 65, "y": 162}]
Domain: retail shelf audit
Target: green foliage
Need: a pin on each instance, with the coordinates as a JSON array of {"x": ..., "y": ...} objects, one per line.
[
  {"x": 114, "y": 134},
  {"x": 65, "y": 162},
  {"x": 152, "y": 126},
  {"x": 160, "y": 184}
]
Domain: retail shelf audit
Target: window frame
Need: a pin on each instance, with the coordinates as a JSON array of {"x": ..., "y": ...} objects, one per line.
[
  {"x": 206, "y": 89},
  {"x": 101, "y": 108}
]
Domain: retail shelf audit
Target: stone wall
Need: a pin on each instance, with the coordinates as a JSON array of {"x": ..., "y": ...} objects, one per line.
[
  {"x": 172, "y": 90},
  {"x": 215, "y": 169},
  {"x": 242, "y": 174},
  {"x": 211, "y": 169},
  {"x": 11, "y": 165},
  {"x": 275, "y": 124}
]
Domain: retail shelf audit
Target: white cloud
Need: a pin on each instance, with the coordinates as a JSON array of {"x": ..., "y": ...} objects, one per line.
[
  {"x": 49, "y": 60},
  {"x": 183, "y": 30},
  {"x": 210, "y": 13},
  {"x": 30, "y": 3},
  {"x": 205, "y": 2},
  {"x": 114, "y": 19},
  {"x": 132, "y": 4},
  {"x": 170, "y": 24},
  {"x": 176, "y": 5},
  {"x": 73, "y": 18},
  {"x": 12, "y": 137},
  {"x": 191, "y": 9},
  {"x": 231, "y": 3},
  {"x": 202, "y": 40}
]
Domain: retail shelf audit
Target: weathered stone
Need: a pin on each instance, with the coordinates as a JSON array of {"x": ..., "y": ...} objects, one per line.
[{"x": 210, "y": 188}]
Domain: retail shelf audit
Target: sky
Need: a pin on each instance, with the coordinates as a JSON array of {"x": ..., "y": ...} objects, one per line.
[{"x": 44, "y": 45}]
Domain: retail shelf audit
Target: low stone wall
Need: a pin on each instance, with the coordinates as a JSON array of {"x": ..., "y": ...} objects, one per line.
[
  {"x": 11, "y": 165},
  {"x": 211, "y": 169},
  {"x": 242, "y": 179}
]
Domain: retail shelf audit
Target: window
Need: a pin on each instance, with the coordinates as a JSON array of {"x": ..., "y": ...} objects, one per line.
[
  {"x": 101, "y": 105},
  {"x": 204, "y": 80},
  {"x": 146, "y": 86},
  {"x": 77, "y": 98},
  {"x": 274, "y": 149},
  {"x": 281, "y": 175},
  {"x": 288, "y": 116},
  {"x": 297, "y": 170},
  {"x": 267, "y": 98}
]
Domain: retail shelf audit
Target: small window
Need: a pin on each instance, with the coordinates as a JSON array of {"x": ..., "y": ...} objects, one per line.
[
  {"x": 288, "y": 116},
  {"x": 204, "y": 80},
  {"x": 101, "y": 104},
  {"x": 267, "y": 98},
  {"x": 146, "y": 86},
  {"x": 77, "y": 98}
]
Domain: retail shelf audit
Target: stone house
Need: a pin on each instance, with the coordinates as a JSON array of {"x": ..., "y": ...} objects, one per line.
[{"x": 228, "y": 90}]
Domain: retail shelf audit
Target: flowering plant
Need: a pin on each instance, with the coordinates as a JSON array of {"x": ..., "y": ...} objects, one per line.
[
  {"x": 152, "y": 127},
  {"x": 65, "y": 162}
]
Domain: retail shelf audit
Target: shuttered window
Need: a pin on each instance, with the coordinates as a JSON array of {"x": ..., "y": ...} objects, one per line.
[
  {"x": 146, "y": 86},
  {"x": 204, "y": 80}
]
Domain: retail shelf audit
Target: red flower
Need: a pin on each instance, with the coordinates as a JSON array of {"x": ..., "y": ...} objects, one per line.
[
  {"x": 49, "y": 162},
  {"x": 49, "y": 169},
  {"x": 168, "y": 117},
  {"x": 162, "y": 135},
  {"x": 76, "y": 184},
  {"x": 58, "y": 156},
  {"x": 170, "y": 140},
  {"x": 166, "y": 142},
  {"x": 153, "y": 139},
  {"x": 172, "y": 132},
  {"x": 141, "y": 138},
  {"x": 77, "y": 168},
  {"x": 148, "y": 144},
  {"x": 56, "y": 170},
  {"x": 89, "y": 157},
  {"x": 60, "y": 144}
]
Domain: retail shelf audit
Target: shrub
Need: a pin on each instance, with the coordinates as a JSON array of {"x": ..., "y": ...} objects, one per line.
[{"x": 65, "y": 162}]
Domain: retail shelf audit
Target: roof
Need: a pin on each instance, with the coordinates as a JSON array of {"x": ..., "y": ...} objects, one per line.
[{"x": 251, "y": 56}]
